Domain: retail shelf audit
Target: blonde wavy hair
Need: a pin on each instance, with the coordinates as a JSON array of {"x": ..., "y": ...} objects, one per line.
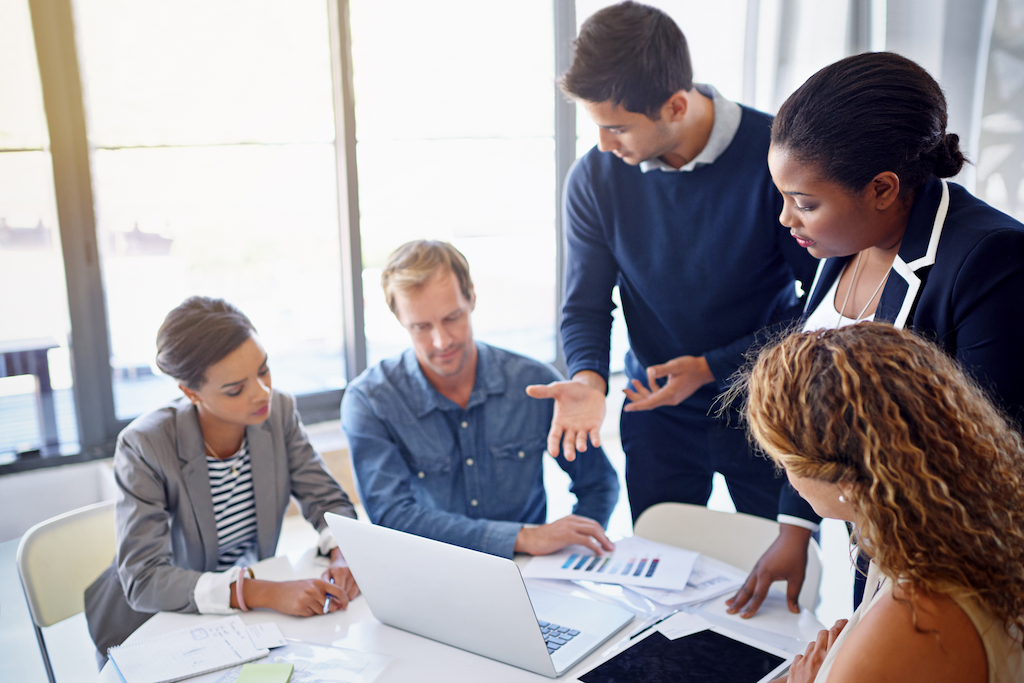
[
  {"x": 412, "y": 264},
  {"x": 935, "y": 469}
]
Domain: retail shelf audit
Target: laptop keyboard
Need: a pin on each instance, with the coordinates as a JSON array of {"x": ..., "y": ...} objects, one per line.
[{"x": 556, "y": 636}]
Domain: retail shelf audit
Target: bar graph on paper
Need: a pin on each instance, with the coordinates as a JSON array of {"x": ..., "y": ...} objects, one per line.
[
  {"x": 598, "y": 564},
  {"x": 634, "y": 562}
]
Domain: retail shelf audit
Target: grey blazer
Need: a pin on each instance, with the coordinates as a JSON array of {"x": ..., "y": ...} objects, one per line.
[{"x": 166, "y": 531}]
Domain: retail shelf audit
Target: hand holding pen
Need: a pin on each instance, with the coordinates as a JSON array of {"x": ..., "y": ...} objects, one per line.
[{"x": 327, "y": 600}]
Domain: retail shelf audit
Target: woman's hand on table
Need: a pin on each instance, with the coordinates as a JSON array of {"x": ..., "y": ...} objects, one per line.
[
  {"x": 805, "y": 667},
  {"x": 343, "y": 579},
  {"x": 785, "y": 559},
  {"x": 303, "y": 598}
]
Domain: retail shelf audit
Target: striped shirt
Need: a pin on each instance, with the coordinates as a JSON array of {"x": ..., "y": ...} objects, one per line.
[{"x": 234, "y": 507}]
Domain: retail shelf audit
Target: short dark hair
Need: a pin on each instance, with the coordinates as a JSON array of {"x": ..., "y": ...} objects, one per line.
[
  {"x": 632, "y": 55},
  {"x": 198, "y": 333},
  {"x": 868, "y": 114}
]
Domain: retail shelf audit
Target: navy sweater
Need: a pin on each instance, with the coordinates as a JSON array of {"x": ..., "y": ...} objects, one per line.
[{"x": 700, "y": 258}]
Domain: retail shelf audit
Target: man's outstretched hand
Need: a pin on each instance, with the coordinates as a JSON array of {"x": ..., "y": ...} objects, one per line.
[{"x": 579, "y": 412}]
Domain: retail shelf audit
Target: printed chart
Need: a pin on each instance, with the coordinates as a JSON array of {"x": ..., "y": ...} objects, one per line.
[
  {"x": 710, "y": 578},
  {"x": 634, "y": 562}
]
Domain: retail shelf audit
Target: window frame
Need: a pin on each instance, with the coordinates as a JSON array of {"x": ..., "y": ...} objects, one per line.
[{"x": 56, "y": 52}]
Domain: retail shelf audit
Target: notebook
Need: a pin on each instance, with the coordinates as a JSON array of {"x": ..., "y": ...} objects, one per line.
[{"x": 189, "y": 652}]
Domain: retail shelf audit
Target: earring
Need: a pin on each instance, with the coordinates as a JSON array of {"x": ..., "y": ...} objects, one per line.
[{"x": 841, "y": 498}]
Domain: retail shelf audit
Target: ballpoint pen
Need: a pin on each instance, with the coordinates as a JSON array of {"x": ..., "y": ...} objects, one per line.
[
  {"x": 327, "y": 601},
  {"x": 651, "y": 625}
]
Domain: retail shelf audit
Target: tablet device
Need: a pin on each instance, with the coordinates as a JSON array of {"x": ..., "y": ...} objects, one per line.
[{"x": 710, "y": 656}]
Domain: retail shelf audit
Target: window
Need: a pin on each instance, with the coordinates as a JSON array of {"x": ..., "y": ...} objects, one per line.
[
  {"x": 455, "y": 125},
  {"x": 213, "y": 168},
  {"x": 37, "y": 412}
]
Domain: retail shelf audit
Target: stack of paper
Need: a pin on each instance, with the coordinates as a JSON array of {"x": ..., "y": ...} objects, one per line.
[
  {"x": 710, "y": 578},
  {"x": 634, "y": 562},
  {"x": 189, "y": 652}
]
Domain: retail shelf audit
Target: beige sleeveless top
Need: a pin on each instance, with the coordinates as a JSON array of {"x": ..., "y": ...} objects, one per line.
[{"x": 1005, "y": 656}]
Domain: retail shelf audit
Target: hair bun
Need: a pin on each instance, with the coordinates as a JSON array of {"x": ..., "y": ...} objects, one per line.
[{"x": 948, "y": 157}]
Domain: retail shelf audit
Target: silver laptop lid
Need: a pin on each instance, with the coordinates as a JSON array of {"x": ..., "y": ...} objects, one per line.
[{"x": 464, "y": 598}]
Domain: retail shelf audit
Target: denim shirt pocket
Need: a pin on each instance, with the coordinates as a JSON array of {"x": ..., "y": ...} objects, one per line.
[
  {"x": 518, "y": 466},
  {"x": 424, "y": 466}
]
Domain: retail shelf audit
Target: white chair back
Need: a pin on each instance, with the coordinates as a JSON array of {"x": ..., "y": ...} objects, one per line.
[
  {"x": 732, "y": 537},
  {"x": 59, "y": 558}
]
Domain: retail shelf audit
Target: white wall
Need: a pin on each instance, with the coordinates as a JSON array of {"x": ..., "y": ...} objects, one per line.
[{"x": 31, "y": 497}]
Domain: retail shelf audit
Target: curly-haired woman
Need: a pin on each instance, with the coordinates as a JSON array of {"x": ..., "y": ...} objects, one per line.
[{"x": 881, "y": 428}]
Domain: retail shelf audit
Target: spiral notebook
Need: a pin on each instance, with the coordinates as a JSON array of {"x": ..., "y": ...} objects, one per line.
[{"x": 183, "y": 654}]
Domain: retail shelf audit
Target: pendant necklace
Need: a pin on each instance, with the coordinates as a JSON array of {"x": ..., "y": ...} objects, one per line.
[
  {"x": 849, "y": 290},
  {"x": 209, "y": 449}
]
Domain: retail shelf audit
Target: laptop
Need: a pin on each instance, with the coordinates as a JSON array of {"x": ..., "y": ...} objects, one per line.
[{"x": 471, "y": 600}]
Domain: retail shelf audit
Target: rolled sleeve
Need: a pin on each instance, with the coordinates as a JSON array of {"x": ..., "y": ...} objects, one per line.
[
  {"x": 798, "y": 521},
  {"x": 213, "y": 591}
]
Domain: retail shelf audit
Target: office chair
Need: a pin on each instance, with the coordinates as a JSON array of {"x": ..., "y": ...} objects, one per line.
[
  {"x": 732, "y": 537},
  {"x": 58, "y": 559}
]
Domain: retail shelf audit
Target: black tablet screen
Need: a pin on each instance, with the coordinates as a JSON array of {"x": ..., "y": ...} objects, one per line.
[{"x": 703, "y": 657}]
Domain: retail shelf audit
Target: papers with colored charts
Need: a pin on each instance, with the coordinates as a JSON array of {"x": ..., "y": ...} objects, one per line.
[
  {"x": 634, "y": 562},
  {"x": 710, "y": 578}
]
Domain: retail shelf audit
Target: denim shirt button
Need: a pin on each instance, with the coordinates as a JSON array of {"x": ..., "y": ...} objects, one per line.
[
  {"x": 465, "y": 424},
  {"x": 469, "y": 461},
  {"x": 421, "y": 475},
  {"x": 522, "y": 454},
  {"x": 474, "y": 502}
]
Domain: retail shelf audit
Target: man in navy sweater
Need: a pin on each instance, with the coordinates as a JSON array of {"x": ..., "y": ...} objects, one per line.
[{"x": 675, "y": 205}]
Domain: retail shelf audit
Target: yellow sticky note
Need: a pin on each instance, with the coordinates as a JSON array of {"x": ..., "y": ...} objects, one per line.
[{"x": 265, "y": 673}]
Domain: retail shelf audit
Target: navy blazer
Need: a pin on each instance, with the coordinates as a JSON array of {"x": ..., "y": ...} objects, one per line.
[{"x": 957, "y": 280}]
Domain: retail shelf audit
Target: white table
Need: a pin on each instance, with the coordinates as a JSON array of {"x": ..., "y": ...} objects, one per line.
[{"x": 425, "y": 661}]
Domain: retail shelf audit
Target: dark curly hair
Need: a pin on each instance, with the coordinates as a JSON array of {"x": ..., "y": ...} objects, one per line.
[{"x": 935, "y": 469}]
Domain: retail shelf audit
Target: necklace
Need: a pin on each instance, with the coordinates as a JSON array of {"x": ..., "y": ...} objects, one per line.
[
  {"x": 849, "y": 290},
  {"x": 209, "y": 449}
]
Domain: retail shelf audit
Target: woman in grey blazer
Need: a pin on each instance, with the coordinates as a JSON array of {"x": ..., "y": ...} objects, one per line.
[{"x": 204, "y": 482}]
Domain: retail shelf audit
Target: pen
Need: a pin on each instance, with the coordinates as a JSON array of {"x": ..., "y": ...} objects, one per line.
[
  {"x": 327, "y": 602},
  {"x": 648, "y": 627}
]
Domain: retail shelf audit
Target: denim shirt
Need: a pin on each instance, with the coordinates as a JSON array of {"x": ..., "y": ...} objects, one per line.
[{"x": 471, "y": 477}]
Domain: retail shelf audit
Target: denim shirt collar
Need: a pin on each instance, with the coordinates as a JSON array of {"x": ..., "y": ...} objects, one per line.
[{"x": 424, "y": 398}]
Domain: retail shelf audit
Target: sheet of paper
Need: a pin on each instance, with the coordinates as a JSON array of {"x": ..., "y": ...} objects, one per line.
[
  {"x": 710, "y": 578},
  {"x": 316, "y": 664},
  {"x": 265, "y": 673},
  {"x": 634, "y": 562},
  {"x": 266, "y": 636},
  {"x": 773, "y": 616},
  {"x": 683, "y": 624}
]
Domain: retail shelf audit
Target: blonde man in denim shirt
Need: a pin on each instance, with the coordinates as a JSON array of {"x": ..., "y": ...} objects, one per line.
[{"x": 445, "y": 442}]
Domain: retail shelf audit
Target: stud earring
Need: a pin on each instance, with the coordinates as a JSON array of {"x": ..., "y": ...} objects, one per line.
[{"x": 841, "y": 498}]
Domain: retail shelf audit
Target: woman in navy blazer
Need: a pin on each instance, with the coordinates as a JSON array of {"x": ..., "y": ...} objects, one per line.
[{"x": 860, "y": 153}]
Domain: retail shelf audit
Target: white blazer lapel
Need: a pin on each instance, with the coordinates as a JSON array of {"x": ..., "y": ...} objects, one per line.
[{"x": 908, "y": 271}]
